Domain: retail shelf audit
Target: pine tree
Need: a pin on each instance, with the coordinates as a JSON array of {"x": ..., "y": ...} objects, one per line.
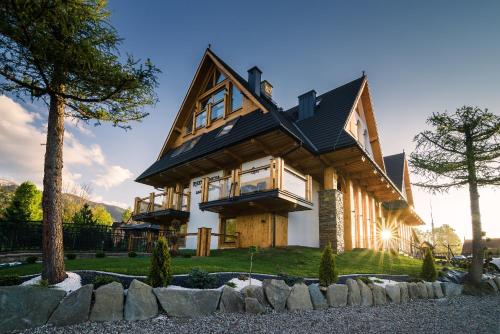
[
  {"x": 161, "y": 267},
  {"x": 84, "y": 216},
  {"x": 327, "y": 270},
  {"x": 429, "y": 272}
]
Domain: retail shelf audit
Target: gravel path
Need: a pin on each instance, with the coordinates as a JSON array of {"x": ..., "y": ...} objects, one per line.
[{"x": 464, "y": 314}]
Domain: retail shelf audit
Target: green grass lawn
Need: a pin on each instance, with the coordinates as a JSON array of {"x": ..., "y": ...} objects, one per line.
[{"x": 299, "y": 261}]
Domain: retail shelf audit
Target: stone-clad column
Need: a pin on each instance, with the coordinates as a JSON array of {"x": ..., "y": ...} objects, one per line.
[{"x": 331, "y": 219}]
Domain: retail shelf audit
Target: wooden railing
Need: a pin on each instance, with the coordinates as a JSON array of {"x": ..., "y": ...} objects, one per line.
[
  {"x": 275, "y": 175},
  {"x": 175, "y": 198}
]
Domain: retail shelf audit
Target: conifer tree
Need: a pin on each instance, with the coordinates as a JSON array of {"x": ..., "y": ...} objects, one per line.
[
  {"x": 327, "y": 270},
  {"x": 160, "y": 273},
  {"x": 429, "y": 272}
]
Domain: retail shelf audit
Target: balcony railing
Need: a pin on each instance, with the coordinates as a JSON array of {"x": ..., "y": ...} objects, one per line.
[
  {"x": 175, "y": 198},
  {"x": 273, "y": 176}
]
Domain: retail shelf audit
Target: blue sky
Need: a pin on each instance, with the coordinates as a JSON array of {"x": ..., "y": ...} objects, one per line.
[{"x": 420, "y": 57}]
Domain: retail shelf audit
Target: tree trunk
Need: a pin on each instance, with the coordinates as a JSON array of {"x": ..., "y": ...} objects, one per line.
[
  {"x": 476, "y": 268},
  {"x": 53, "y": 252}
]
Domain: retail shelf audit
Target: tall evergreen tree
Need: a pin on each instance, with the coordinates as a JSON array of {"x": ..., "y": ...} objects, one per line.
[
  {"x": 462, "y": 149},
  {"x": 64, "y": 53},
  {"x": 26, "y": 205},
  {"x": 84, "y": 216}
]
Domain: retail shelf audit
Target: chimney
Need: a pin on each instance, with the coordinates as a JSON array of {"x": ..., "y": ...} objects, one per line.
[
  {"x": 307, "y": 102},
  {"x": 254, "y": 75},
  {"x": 267, "y": 89}
]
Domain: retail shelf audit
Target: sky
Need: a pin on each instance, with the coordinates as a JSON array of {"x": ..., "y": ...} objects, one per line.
[{"x": 420, "y": 57}]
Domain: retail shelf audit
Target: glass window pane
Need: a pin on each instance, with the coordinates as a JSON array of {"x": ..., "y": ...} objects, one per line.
[
  {"x": 228, "y": 127},
  {"x": 219, "y": 96},
  {"x": 219, "y": 77},
  {"x": 201, "y": 119},
  {"x": 229, "y": 229},
  {"x": 217, "y": 111},
  {"x": 254, "y": 181},
  {"x": 237, "y": 99}
]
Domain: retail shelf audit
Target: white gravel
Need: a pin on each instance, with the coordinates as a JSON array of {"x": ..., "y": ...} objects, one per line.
[
  {"x": 464, "y": 314},
  {"x": 71, "y": 283}
]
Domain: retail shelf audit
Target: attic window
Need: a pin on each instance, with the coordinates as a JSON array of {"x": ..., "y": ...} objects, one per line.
[
  {"x": 185, "y": 147},
  {"x": 227, "y": 128}
]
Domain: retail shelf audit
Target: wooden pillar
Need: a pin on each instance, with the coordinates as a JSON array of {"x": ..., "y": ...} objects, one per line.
[
  {"x": 151, "y": 206},
  {"x": 203, "y": 241},
  {"x": 137, "y": 205},
  {"x": 347, "y": 189},
  {"x": 330, "y": 178}
]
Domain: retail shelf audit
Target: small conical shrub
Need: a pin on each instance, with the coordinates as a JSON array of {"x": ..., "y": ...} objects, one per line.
[
  {"x": 327, "y": 270},
  {"x": 429, "y": 272},
  {"x": 160, "y": 273}
]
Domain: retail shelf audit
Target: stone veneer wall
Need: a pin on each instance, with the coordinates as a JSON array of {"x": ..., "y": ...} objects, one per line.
[{"x": 331, "y": 219}]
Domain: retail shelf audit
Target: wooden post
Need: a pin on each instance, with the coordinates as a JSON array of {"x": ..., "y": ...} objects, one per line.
[
  {"x": 204, "y": 190},
  {"x": 137, "y": 205},
  {"x": 203, "y": 242},
  {"x": 346, "y": 187},
  {"x": 151, "y": 206},
  {"x": 330, "y": 178},
  {"x": 309, "y": 191}
]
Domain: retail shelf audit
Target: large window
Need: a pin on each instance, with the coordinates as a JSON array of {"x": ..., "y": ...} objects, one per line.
[
  {"x": 201, "y": 119},
  {"x": 229, "y": 229},
  {"x": 217, "y": 101},
  {"x": 236, "y": 100}
]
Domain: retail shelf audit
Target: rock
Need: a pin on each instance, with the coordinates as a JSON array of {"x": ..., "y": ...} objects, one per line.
[
  {"x": 366, "y": 294},
  {"x": 393, "y": 291},
  {"x": 108, "y": 305},
  {"x": 337, "y": 295},
  {"x": 299, "y": 298},
  {"x": 413, "y": 290},
  {"x": 24, "y": 307},
  {"x": 497, "y": 281},
  {"x": 231, "y": 301},
  {"x": 141, "y": 302},
  {"x": 253, "y": 306},
  {"x": 404, "y": 291},
  {"x": 438, "y": 291},
  {"x": 493, "y": 285},
  {"x": 353, "y": 294},
  {"x": 317, "y": 298},
  {"x": 451, "y": 289},
  {"x": 74, "y": 308},
  {"x": 276, "y": 292},
  {"x": 422, "y": 290},
  {"x": 430, "y": 289},
  {"x": 379, "y": 297},
  {"x": 188, "y": 302},
  {"x": 254, "y": 291}
]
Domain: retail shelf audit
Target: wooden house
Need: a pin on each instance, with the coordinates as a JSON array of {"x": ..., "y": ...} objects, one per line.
[{"x": 254, "y": 174}]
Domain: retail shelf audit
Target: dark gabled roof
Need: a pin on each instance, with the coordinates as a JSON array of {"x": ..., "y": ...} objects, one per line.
[
  {"x": 488, "y": 243},
  {"x": 394, "y": 168},
  {"x": 325, "y": 129}
]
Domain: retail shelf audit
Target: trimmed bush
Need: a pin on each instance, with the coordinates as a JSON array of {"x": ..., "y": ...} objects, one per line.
[
  {"x": 160, "y": 273},
  {"x": 290, "y": 280},
  {"x": 100, "y": 254},
  {"x": 327, "y": 270},
  {"x": 429, "y": 272},
  {"x": 10, "y": 280},
  {"x": 71, "y": 256},
  {"x": 99, "y": 281},
  {"x": 31, "y": 259},
  {"x": 132, "y": 254},
  {"x": 200, "y": 279}
]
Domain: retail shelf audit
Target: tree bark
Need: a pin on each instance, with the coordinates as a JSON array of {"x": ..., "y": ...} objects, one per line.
[
  {"x": 53, "y": 252},
  {"x": 476, "y": 268}
]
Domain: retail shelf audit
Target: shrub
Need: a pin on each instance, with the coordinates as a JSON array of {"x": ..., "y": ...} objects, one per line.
[
  {"x": 31, "y": 259},
  {"x": 200, "y": 279},
  {"x": 327, "y": 270},
  {"x": 100, "y": 254},
  {"x": 231, "y": 284},
  {"x": 429, "y": 272},
  {"x": 160, "y": 273},
  {"x": 10, "y": 280},
  {"x": 290, "y": 280},
  {"x": 71, "y": 256},
  {"x": 132, "y": 254},
  {"x": 99, "y": 281}
]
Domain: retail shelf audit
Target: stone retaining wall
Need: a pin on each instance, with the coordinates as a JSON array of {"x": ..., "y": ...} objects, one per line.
[{"x": 24, "y": 307}]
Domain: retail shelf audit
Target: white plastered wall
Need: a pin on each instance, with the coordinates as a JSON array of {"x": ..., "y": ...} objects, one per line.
[{"x": 303, "y": 226}]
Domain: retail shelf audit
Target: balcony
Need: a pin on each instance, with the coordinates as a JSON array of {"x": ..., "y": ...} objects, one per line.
[
  {"x": 272, "y": 187},
  {"x": 162, "y": 208}
]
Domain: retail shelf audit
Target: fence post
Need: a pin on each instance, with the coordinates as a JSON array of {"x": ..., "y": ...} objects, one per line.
[{"x": 203, "y": 242}]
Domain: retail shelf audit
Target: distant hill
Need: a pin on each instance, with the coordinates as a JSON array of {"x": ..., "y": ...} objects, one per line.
[{"x": 7, "y": 186}]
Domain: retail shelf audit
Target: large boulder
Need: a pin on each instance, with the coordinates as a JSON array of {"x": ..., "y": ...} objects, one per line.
[
  {"x": 438, "y": 291},
  {"x": 353, "y": 294},
  {"x": 253, "y": 306},
  {"x": 379, "y": 297},
  {"x": 337, "y": 295},
  {"x": 74, "y": 308},
  {"x": 108, "y": 305},
  {"x": 24, "y": 307},
  {"x": 188, "y": 302},
  {"x": 317, "y": 298},
  {"x": 422, "y": 290},
  {"x": 404, "y": 291},
  {"x": 231, "y": 300},
  {"x": 366, "y": 293},
  {"x": 393, "y": 292},
  {"x": 451, "y": 289},
  {"x": 299, "y": 298},
  {"x": 497, "y": 282},
  {"x": 413, "y": 290},
  {"x": 430, "y": 289},
  {"x": 255, "y": 291},
  {"x": 276, "y": 292},
  {"x": 141, "y": 302},
  {"x": 494, "y": 287}
]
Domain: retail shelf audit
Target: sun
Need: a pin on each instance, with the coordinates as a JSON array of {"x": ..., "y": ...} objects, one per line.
[{"x": 386, "y": 235}]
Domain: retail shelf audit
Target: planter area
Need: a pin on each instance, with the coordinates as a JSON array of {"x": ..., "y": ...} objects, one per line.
[{"x": 30, "y": 306}]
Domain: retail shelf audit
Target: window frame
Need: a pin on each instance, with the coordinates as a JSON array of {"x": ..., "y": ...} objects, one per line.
[{"x": 223, "y": 222}]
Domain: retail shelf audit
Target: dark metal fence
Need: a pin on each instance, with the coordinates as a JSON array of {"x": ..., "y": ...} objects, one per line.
[{"x": 19, "y": 236}]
